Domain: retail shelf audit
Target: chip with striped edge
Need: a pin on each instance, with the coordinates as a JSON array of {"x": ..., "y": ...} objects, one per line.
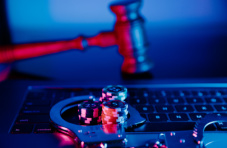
[
  {"x": 114, "y": 112},
  {"x": 89, "y": 112},
  {"x": 114, "y": 92}
]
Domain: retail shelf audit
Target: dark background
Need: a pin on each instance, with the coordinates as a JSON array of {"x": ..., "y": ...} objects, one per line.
[{"x": 188, "y": 39}]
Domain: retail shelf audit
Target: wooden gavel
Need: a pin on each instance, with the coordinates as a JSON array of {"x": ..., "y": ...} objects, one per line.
[{"x": 128, "y": 34}]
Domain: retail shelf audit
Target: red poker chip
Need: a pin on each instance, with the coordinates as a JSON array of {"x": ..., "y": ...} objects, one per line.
[
  {"x": 110, "y": 128},
  {"x": 114, "y": 112}
]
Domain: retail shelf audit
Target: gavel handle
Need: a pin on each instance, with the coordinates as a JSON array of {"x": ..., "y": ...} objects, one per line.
[{"x": 18, "y": 52}]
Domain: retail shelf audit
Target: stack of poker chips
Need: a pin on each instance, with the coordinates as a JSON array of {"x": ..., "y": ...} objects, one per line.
[
  {"x": 114, "y": 112},
  {"x": 113, "y": 92},
  {"x": 90, "y": 112}
]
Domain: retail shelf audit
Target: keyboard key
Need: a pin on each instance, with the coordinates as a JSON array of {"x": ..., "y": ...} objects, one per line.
[
  {"x": 62, "y": 95},
  {"x": 145, "y": 108},
  {"x": 151, "y": 93},
  {"x": 215, "y": 93},
  {"x": 157, "y": 117},
  {"x": 35, "y": 95},
  {"x": 194, "y": 100},
  {"x": 43, "y": 128},
  {"x": 204, "y": 108},
  {"x": 223, "y": 92},
  {"x": 25, "y": 119},
  {"x": 184, "y": 108},
  {"x": 142, "y": 92},
  {"x": 37, "y": 103},
  {"x": 178, "y": 117},
  {"x": 164, "y": 108},
  {"x": 186, "y": 93},
  {"x": 221, "y": 107},
  {"x": 137, "y": 100},
  {"x": 157, "y": 100},
  {"x": 225, "y": 99},
  {"x": 178, "y": 94},
  {"x": 222, "y": 126},
  {"x": 213, "y": 100},
  {"x": 35, "y": 110},
  {"x": 138, "y": 92},
  {"x": 162, "y": 93},
  {"x": 175, "y": 100},
  {"x": 199, "y": 93},
  {"x": 196, "y": 116},
  {"x": 22, "y": 129},
  {"x": 220, "y": 114},
  {"x": 132, "y": 92}
]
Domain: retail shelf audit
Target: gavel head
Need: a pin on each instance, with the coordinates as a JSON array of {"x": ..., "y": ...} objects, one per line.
[{"x": 131, "y": 38}]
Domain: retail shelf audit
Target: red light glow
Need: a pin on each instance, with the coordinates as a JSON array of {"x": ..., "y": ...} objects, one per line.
[
  {"x": 102, "y": 145},
  {"x": 4, "y": 73},
  {"x": 64, "y": 140},
  {"x": 82, "y": 144},
  {"x": 155, "y": 146}
]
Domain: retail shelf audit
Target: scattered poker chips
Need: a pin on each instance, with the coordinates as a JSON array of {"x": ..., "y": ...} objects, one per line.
[
  {"x": 114, "y": 112},
  {"x": 113, "y": 92},
  {"x": 89, "y": 112}
]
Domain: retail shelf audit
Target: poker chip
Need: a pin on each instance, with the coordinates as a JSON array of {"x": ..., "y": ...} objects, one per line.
[
  {"x": 114, "y": 92},
  {"x": 110, "y": 128},
  {"x": 114, "y": 112},
  {"x": 114, "y": 106},
  {"x": 89, "y": 112}
]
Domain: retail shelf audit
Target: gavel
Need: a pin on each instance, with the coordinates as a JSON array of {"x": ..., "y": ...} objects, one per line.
[{"x": 128, "y": 34}]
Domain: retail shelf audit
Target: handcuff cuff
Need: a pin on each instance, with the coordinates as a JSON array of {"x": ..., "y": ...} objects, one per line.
[{"x": 95, "y": 136}]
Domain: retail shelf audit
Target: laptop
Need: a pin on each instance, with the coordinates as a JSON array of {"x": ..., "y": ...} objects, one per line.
[{"x": 167, "y": 108}]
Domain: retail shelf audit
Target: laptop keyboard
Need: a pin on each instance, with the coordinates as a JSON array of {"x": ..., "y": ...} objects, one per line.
[{"x": 167, "y": 109}]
